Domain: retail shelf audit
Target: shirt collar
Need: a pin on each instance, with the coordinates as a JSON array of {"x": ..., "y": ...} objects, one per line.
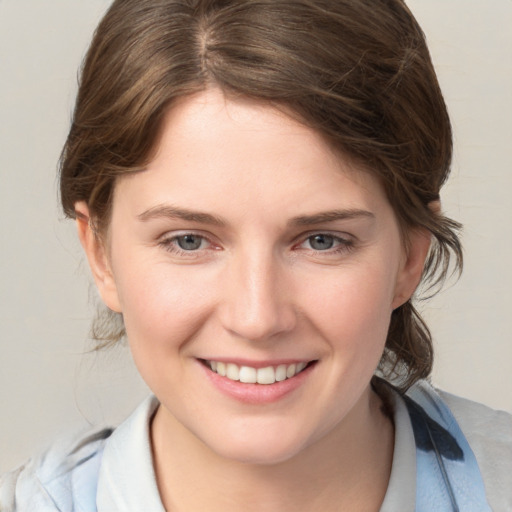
[
  {"x": 127, "y": 479},
  {"x": 401, "y": 492}
]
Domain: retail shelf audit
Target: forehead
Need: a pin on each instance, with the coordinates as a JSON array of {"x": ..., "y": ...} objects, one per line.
[{"x": 220, "y": 153}]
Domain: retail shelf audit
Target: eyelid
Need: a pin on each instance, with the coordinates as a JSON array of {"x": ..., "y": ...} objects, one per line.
[
  {"x": 345, "y": 242},
  {"x": 177, "y": 233},
  {"x": 343, "y": 236},
  {"x": 168, "y": 242}
]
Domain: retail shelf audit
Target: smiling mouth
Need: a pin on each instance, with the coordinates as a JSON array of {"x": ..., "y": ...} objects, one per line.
[{"x": 250, "y": 375}]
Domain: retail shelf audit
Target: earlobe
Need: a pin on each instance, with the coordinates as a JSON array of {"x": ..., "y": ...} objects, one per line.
[
  {"x": 410, "y": 273},
  {"x": 97, "y": 256}
]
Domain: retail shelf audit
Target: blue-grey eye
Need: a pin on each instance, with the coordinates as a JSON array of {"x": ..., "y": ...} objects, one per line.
[
  {"x": 189, "y": 242},
  {"x": 321, "y": 242}
]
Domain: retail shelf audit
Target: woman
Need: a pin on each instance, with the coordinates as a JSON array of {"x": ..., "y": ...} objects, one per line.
[{"x": 256, "y": 187}]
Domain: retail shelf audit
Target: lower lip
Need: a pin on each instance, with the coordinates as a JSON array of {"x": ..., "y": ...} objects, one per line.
[{"x": 257, "y": 393}]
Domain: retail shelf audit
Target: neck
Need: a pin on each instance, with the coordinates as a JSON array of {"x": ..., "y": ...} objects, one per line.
[{"x": 348, "y": 469}]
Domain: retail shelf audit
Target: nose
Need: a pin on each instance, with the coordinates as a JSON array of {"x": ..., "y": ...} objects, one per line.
[{"x": 257, "y": 302}]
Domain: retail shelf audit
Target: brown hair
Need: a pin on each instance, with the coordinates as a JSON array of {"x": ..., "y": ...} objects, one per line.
[{"x": 357, "y": 71}]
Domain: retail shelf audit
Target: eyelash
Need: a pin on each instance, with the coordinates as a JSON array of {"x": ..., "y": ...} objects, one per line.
[
  {"x": 170, "y": 244},
  {"x": 341, "y": 245}
]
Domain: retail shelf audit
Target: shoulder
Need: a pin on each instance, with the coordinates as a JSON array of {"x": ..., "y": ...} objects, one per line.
[
  {"x": 479, "y": 421},
  {"x": 58, "y": 479},
  {"x": 489, "y": 433}
]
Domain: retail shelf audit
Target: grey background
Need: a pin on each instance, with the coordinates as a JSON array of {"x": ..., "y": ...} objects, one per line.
[{"x": 50, "y": 384}]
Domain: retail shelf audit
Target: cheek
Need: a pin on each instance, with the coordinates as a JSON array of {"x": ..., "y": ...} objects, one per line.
[
  {"x": 353, "y": 309},
  {"x": 163, "y": 314},
  {"x": 358, "y": 295},
  {"x": 162, "y": 305}
]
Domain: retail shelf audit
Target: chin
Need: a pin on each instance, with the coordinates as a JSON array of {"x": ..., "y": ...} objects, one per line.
[
  {"x": 259, "y": 446},
  {"x": 267, "y": 455}
]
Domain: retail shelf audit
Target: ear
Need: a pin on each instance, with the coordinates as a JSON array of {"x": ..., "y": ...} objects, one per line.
[
  {"x": 97, "y": 256},
  {"x": 411, "y": 270}
]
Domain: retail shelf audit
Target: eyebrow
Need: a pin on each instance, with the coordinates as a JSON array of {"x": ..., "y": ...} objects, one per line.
[
  {"x": 330, "y": 216},
  {"x": 173, "y": 212}
]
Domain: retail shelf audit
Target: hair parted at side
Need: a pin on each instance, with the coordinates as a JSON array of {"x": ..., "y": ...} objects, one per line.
[{"x": 357, "y": 71}]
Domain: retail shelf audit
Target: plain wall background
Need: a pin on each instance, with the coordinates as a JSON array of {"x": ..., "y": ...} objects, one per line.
[{"x": 48, "y": 382}]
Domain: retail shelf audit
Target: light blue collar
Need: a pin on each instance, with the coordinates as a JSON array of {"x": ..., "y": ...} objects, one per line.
[
  {"x": 115, "y": 472},
  {"x": 448, "y": 478}
]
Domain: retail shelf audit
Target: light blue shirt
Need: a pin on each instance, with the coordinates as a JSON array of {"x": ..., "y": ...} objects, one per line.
[{"x": 434, "y": 468}]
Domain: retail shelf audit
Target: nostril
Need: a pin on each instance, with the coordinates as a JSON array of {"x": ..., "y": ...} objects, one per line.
[{"x": 260, "y": 328}]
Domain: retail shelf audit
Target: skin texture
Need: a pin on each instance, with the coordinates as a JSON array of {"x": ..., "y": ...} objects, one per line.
[{"x": 257, "y": 289}]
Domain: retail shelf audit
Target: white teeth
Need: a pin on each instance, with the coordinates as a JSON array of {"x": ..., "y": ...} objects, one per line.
[
  {"x": 290, "y": 371},
  {"x": 221, "y": 369},
  {"x": 266, "y": 375},
  {"x": 250, "y": 375},
  {"x": 281, "y": 372},
  {"x": 300, "y": 367},
  {"x": 232, "y": 371}
]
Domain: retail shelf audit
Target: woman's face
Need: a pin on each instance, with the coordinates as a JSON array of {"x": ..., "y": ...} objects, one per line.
[{"x": 249, "y": 247}]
